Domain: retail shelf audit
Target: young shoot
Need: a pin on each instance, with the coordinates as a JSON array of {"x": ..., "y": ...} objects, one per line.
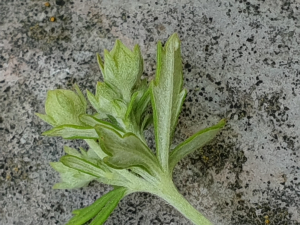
[{"x": 118, "y": 154}]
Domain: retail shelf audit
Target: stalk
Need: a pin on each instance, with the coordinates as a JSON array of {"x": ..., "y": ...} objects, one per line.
[
  {"x": 167, "y": 191},
  {"x": 174, "y": 198}
]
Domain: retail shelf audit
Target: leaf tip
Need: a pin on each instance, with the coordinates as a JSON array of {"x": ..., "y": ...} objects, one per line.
[{"x": 223, "y": 122}]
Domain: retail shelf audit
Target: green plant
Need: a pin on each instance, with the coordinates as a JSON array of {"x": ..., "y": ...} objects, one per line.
[{"x": 118, "y": 154}]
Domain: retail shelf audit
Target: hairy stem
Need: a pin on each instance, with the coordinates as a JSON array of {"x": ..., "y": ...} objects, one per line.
[
  {"x": 167, "y": 191},
  {"x": 174, "y": 198}
]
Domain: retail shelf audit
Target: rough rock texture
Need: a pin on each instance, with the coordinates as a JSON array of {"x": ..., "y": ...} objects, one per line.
[{"x": 241, "y": 62}]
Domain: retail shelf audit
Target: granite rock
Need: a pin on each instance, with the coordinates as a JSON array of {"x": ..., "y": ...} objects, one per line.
[{"x": 241, "y": 62}]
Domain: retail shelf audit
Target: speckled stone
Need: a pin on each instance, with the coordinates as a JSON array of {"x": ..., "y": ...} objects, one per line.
[{"x": 241, "y": 62}]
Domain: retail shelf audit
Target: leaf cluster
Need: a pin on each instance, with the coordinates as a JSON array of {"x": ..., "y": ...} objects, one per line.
[{"x": 118, "y": 154}]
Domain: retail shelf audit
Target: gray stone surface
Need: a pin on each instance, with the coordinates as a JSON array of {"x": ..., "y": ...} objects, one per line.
[{"x": 241, "y": 62}]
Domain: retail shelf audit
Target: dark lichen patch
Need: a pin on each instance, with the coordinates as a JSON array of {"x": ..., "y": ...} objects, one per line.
[
  {"x": 261, "y": 214},
  {"x": 289, "y": 196},
  {"x": 241, "y": 104},
  {"x": 214, "y": 156},
  {"x": 46, "y": 37},
  {"x": 290, "y": 141},
  {"x": 271, "y": 104},
  {"x": 13, "y": 172},
  {"x": 60, "y": 2},
  {"x": 249, "y": 8},
  {"x": 285, "y": 141}
]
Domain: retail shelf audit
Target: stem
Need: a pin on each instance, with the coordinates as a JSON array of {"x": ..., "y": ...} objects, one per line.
[{"x": 171, "y": 195}]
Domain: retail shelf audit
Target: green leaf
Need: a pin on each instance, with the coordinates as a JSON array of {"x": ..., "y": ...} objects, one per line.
[
  {"x": 83, "y": 166},
  {"x": 126, "y": 151},
  {"x": 89, "y": 155},
  {"x": 83, "y": 153},
  {"x": 167, "y": 96},
  {"x": 123, "y": 68},
  {"x": 110, "y": 68},
  {"x": 141, "y": 87},
  {"x": 146, "y": 122},
  {"x": 100, "y": 207},
  {"x": 108, "y": 208},
  {"x": 123, "y": 89},
  {"x": 80, "y": 95},
  {"x": 94, "y": 146},
  {"x": 141, "y": 106},
  {"x": 100, "y": 171},
  {"x": 65, "y": 99},
  {"x": 94, "y": 102},
  {"x": 107, "y": 100},
  {"x": 70, "y": 178},
  {"x": 72, "y": 132},
  {"x": 100, "y": 63},
  {"x": 195, "y": 142},
  {"x": 100, "y": 116},
  {"x": 63, "y": 107},
  {"x": 131, "y": 105},
  {"x": 105, "y": 93},
  {"x": 120, "y": 107},
  {"x": 46, "y": 118},
  {"x": 72, "y": 151},
  {"x": 92, "y": 121},
  {"x": 114, "y": 122}
]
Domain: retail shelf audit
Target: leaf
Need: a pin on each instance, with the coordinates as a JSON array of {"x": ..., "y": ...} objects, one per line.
[
  {"x": 92, "y": 121},
  {"x": 114, "y": 122},
  {"x": 195, "y": 142},
  {"x": 46, "y": 118},
  {"x": 141, "y": 87},
  {"x": 70, "y": 178},
  {"x": 100, "y": 171},
  {"x": 146, "y": 122},
  {"x": 126, "y": 151},
  {"x": 100, "y": 116},
  {"x": 65, "y": 99},
  {"x": 94, "y": 146},
  {"x": 120, "y": 107},
  {"x": 108, "y": 208},
  {"x": 89, "y": 155},
  {"x": 67, "y": 108},
  {"x": 83, "y": 166},
  {"x": 83, "y": 153},
  {"x": 102, "y": 101},
  {"x": 110, "y": 68},
  {"x": 72, "y": 151},
  {"x": 141, "y": 106},
  {"x": 72, "y": 132},
  {"x": 77, "y": 167},
  {"x": 94, "y": 102},
  {"x": 98, "y": 207},
  {"x": 105, "y": 93},
  {"x": 167, "y": 96},
  {"x": 63, "y": 107},
  {"x": 123, "y": 68},
  {"x": 100, "y": 63},
  {"x": 80, "y": 95},
  {"x": 131, "y": 105}
]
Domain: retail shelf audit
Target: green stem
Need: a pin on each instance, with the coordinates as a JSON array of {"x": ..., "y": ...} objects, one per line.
[
  {"x": 174, "y": 198},
  {"x": 170, "y": 194}
]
